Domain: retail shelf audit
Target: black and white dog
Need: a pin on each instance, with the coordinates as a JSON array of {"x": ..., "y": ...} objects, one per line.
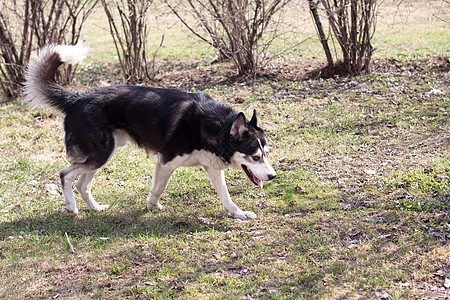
[{"x": 182, "y": 129}]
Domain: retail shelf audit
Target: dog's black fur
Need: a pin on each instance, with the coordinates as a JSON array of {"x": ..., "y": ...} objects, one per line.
[{"x": 165, "y": 121}]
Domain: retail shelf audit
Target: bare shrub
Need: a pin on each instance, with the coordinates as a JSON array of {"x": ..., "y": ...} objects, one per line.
[
  {"x": 128, "y": 27},
  {"x": 353, "y": 25},
  {"x": 61, "y": 22},
  {"x": 27, "y": 24},
  {"x": 235, "y": 28}
]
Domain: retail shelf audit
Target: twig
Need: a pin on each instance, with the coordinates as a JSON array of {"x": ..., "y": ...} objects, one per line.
[
  {"x": 440, "y": 19},
  {"x": 72, "y": 250},
  {"x": 65, "y": 159}
]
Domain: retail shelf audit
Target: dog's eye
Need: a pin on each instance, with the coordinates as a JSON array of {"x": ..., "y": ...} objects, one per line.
[{"x": 256, "y": 157}]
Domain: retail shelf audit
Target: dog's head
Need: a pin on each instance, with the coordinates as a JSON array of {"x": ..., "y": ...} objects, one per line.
[{"x": 251, "y": 149}]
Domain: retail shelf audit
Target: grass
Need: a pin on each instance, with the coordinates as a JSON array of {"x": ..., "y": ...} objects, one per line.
[{"x": 360, "y": 206}]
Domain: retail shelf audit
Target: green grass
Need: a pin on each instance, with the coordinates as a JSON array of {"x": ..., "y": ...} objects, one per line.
[
  {"x": 327, "y": 227},
  {"x": 360, "y": 205}
]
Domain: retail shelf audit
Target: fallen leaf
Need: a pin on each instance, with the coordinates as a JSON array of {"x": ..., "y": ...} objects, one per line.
[
  {"x": 351, "y": 190},
  {"x": 370, "y": 171},
  {"x": 32, "y": 182},
  {"x": 52, "y": 189},
  {"x": 401, "y": 184},
  {"x": 435, "y": 92},
  {"x": 437, "y": 234},
  {"x": 385, "y": 236},
  {"x": 382, "y": 295},
  {"x": 353, "y": 233},
  {"x": 346, "y": 206},
  {"x": 352, "y": 243},
  {"x": 206, "y": 221},
  {"x": 299, "y": 189},
  {"x": 447, "y": 283}
]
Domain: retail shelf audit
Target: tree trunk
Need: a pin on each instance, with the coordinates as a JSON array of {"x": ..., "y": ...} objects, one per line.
[{"x": 323, "y": 39}]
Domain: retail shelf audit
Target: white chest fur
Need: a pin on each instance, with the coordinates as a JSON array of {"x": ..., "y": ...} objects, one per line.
[
  {"x": 195, "y": 158},
  {"x": 199, "y": 158}
]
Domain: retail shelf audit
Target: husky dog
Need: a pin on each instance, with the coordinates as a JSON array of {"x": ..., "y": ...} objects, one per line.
[{"x": 182, "y": 129}]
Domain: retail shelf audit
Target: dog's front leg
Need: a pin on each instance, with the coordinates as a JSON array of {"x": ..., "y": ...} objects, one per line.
[
  {"x": 217, "y": 178},
  {"x": 161, "y": 176}
]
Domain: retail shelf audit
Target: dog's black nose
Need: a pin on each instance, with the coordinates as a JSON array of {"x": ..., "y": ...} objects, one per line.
[{"x": 272, "y": 176}]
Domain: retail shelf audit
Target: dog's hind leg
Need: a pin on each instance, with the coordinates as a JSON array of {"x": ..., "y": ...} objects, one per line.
[
  {"x": 161, "y": 176},
  {"x": 68, "y": 175},
  {"x": 217, "y": 178},
  {"x": 83, "y": 186}
]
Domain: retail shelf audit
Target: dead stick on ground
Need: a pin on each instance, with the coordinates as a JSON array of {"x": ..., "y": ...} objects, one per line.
[{"x": 72, "y": 250}]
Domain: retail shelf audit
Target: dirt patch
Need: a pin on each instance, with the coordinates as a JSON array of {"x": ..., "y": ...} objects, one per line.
[
  {"x": 195, "y": 75},
  {"x": 225, "y": 73},
  {"x": 338, "y": 70},
  {"x": 393, "y": 65},
  {"x": 86, "y": 277},
  {"x": 291, "y": 70}
]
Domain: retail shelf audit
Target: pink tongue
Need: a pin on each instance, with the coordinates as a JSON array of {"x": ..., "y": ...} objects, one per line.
[{"x": 259, "y": 182}]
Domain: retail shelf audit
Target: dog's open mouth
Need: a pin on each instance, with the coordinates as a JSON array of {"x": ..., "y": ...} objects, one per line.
[{"x": 252, "y": 177}]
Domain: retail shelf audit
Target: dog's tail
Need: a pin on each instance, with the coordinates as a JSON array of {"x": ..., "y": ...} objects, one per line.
[{"x": 40, "y": 87}]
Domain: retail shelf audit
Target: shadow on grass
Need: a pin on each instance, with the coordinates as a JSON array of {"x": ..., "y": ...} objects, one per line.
[{"x": 109, "y": 223}]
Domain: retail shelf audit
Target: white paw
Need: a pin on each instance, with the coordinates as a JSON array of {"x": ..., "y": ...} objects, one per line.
[
  {"x": 73, "y": 210},
  {"x": 156, "y": 205},
  {"x": 243, "y": 215},
  {"x": 100, "y": 207}
]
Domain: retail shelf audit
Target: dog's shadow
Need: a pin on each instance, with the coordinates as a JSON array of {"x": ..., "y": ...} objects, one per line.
[{"x": 109, "y": 224}]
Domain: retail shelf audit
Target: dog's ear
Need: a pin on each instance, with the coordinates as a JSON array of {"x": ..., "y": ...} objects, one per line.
[
  {"x": 239, "y": 125},
  {"x": 254, "y": 120}
]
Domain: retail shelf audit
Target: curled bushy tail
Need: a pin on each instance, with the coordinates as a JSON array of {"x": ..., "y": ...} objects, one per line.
[{"x": 40, "y": 87}]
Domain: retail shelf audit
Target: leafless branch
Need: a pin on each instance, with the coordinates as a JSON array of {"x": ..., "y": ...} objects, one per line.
[
  {"x": 234, "y": 28},
  {"x": 27, "y": 24},
  {"x": 128, "y": 27}
]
